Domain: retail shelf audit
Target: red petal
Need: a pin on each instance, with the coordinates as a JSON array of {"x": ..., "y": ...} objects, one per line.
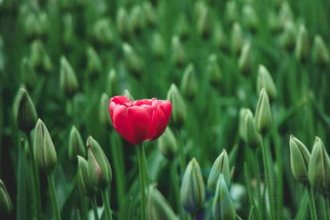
[
  {"x": 122, "y": 123},
  {"x": 160, "y": 119},
  {"x": 140, "y": 120},
  {"x": 121, "y": 100}
]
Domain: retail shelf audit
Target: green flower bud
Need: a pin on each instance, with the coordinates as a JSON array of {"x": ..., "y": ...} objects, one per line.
[
  {"x": 28, "y": 74},
  {"x": 319, "y": 168},
  {"x": 83, "y": 180},
  {"x": 274, "y": 23},
  {"x": 123, "y": 22},
  {"x": 182, "y": 28},
  {"x": 103, "y": 33},
  {"x": 178, "y": 52},
  {"x": 189, "y": 85},
  {"x": 302, "y": 44},
  {"x": 263, "y": 115},
  {"x": 76, "y": 145},
  {"x": 5, "y": 201},
  {"x": 219, "y": 36},
  {"x": 320, "y": 51},
  {"x": 237, "y": 38},
  {"x": 138, "y": 19},
  {"x": 158, "y": 45},
  {"x": 204, "y": 24},
  {"x": 167, "y": 144},
  {"x": 44, "y": 150},
  {"x": 192, "y": 187},
  {"x": 220, "y": 167},
  {"x": 134, "y": 63},
  {"x": 36, "y": 25},
  {"x": 104, "y": 111},
  {"x": 158, "y": 207},
  {"x": 223, "y": 207},
  {"x": 179, "y": 110},
  {"x": 112, "y": 83},
  {"x": 241, "y": 124},
  {"x": 40, "y": 60},
  {"x": 245, "y": 59},
  {"x": 231, "y": 12},
  {"x": 94, "y": 64},
  {"x": 100, "y": 171},
  {"x": 285, "y": 13},
  {"x": 68, "y": 29},
  {"x": 213, "y": 70},
  {"x": 149, "y": 13},
  {"x": 288, "y": 37},
  {"x": 299, "y": 155},
  {"x": 265, "y": 80},
  {"x": 68, "y": 80},
  {"x": 252, "y": 137},
  {"x": 250, "y": 17},
  {"x": 24, "y": 111}
]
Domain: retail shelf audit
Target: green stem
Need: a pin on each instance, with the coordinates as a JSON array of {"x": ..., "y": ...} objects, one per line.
[
  {"x": 106, "y": 204},
  {"x": 94, "y": 205},
  {"x": 83, "y": 205},
  {"x": 327, "y": 208},
  {"x": 312, "y": 203},
  {"x": 142, "y": 182},
  {"x": 176, "y": 183},
  {"x": 52, "y": 189},
  {"x": 268, "y": 183},
  {"x": 181, "y": 152},
  {"x": 279, "y": 163},
  {"x": 35, "y": 182},
  {"x": 21, "y": 183}
]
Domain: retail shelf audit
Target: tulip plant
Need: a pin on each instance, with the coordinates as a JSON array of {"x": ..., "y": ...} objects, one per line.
[{"x": 164, "y": 110}]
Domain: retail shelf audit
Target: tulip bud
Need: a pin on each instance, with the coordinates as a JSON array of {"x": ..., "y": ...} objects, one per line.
[
  {"x": 68, "y": 80},
  {"x": 103, "y": 33},
  {"x": 231, "y": 12},
  {"x": 68, "y": 29},
  {"x": 288, "y": 37},
  {"x": 263, "y": 115},
  {"x": 76, "y": 145},
  {"x": 219, "y": 36},
  {"x": 158, "y": 45},
  {"x": 265, "y": 80},
  {"x": 245, "y": 59},
  {"x": 25, "y": 112},
  {"x": 285, "y": 13},
  {"x": 213, "y": 70},
  {"x": 39, "y": 58},
  {"x": 158, "y": 207},
  {"x": 241, "y": 125},
  {"x": 5, "y": 201},
  {"x": 104, "y": 111},
  {"x": 302, "y": 44},
  {"x": 204, "y": 24},
  {"x": 319, "y": 168},
  {"x": 133, "y": 62},
  {"x": 252, "y": 137},
  {"x": 138, "y": 19},
  {"x": 236, "y": 38},
  {"x": 123, "y": 22},
  {"x": 149, "y": 11},
  {"x": 167, "y": 144},
  {"x": 223, "y": 207},
  {"x": 178, "y": 105},
  {"x": 182, "y": 28},
  {"x": 28, "y": 75},
  {"x": 320, "y": 51},
  {"x": 178, "y": 52},
  {"x": 192, "y": 187},
  {"x": 94, "y": 64},
  {"x": 189, "y": 85},
  {"x": 299, "y": 159},
  {"x": 44, "y": 150},
  {"x": 83, "y": 180},
  {"x": 250, "y": 17},
  {"x": 273, "y": 22},
  {"x": 220, "y": 167},
  {"x": 112, "y": 83},
  {"x": 100, "y": 171}
]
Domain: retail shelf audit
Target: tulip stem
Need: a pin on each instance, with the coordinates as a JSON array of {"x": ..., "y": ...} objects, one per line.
[
  {"x": 106, "y": 204},
  {"x": 181, "y": 152},
  {"x": 94, "y": 205},
  {"x": 52, "y": 189},
  {"x": 21, "y": 183},
  {"x": 142, "y": 181},
  {"x": 327, "y": 208},
  {"x": 35, "y": 181},
  {"x": 312, "y": 203},
  {"x": 83, "y": 205}
]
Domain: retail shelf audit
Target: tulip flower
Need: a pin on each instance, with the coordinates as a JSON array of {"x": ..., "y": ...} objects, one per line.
[{"x": 141, "y": 120}]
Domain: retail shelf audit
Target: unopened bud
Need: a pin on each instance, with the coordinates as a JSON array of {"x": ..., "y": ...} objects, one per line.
[
  {"x": 220, "y": 166},
  {"x": 231, "y": 11},
  {"x": 250, "y": 17},
  {"x": 158, "y": 45},
  {"x": 236, "y": 38},
  {"x": 44, "y": 150},
  {"x": 192, "y": 187},
  {"x": 150, "y": 14},
  {"x": 138, "y": 19},
  {"x": 68, "y": 80},
  {"x": 39, "y": 58},
  {"x": 252, "y": 137},
  {"x": 300, "y": 157},
  {"x": 189, "y": 85},
  {"x": 219, "y": 36},
  {"x": 182, "y": 28},
  {"x": 123, "y": 22},
  {"x": 94, "y": 64},
  {"x": 5, "y": 201},
  {"x": 103, "y": 33},
  {"x": 265, "y": 80},
  {"x": 288, "y": 37},
  {"x": 76, "y": 145},
  {"x": 178, "y": 52},
  {"x": 167, "y": 144},
  {"x": 179, "y": 110},
  {"x": 213, "y": 70},
  {"x": 83, "y": 180},
  {"x": 263, "y": 115},
  {"x": 112, "y": 83},
  {"x": 28, "y": 74},
  {"x": 104, "y": 111},
  {"x": 245, "y": 59},
  {"x": 24, "y": 111},
  {"x": 320, "y": 52},
  {"x": 204, "y": 24},
  {"x": 302, "y": 44},
  {"x": 134, "y": 63}
]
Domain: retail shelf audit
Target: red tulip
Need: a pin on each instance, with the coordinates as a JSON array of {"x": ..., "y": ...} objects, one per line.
[{"x": 141, "y": 120}]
